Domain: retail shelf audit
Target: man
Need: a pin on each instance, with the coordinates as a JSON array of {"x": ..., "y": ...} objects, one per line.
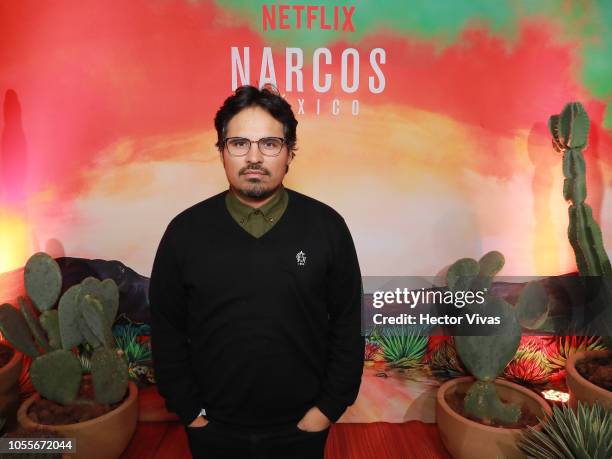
[{"x": 255, "y": 300}]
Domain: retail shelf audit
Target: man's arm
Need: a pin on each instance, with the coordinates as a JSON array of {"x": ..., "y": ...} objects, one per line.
[
  {"x": 346, "y": 344},
  {"x": 169, "y": 334}
]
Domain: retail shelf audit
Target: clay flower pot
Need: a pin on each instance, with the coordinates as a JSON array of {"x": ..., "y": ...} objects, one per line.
[
  {"x": 467, "y": 439},
  {"x": 104, "y": 437},
  {"x": 9, "y": 388},
  {"x": 580, "y": 388}
]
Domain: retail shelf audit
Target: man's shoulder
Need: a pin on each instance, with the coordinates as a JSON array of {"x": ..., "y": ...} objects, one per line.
[
  {"x": 313, "y": 206},
  {"x": 199, "y": 210}
]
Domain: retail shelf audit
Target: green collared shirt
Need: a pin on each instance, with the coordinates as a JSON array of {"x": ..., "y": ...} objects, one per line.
[{"x": 257, "y": 221}]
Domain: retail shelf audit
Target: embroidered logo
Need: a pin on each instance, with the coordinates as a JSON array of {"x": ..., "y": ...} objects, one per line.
[{"x": 301, "y": 258}]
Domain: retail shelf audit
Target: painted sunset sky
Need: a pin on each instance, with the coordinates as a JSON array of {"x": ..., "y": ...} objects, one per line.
[{"x": 106, "y": 127}]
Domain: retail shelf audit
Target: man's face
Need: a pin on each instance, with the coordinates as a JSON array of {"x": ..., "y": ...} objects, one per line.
[{"x": 255, "y": 176}]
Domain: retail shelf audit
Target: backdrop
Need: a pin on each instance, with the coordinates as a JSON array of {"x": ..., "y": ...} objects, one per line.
[
  {"x": 423, "y": 123},
  {"x": 108, "y": 105}
]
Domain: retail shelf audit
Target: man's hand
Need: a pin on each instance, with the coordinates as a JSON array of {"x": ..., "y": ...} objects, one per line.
[
  {"x": 200, "y": 421},
  {"x": 314, "y": 421}
]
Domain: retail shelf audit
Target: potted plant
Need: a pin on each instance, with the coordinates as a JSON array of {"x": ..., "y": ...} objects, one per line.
[
  {"x": 586, "y": 434},
  {"x": 481, "y": 416},
  {"x": 99, "y": 409},
  {"x": 10, "y": 370},
  {"x": 589, "y": 376},
  {"x": 589, "y": 373}
]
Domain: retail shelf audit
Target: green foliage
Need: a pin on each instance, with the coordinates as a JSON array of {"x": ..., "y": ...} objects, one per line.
[
  {"x": 126, "y": 337},
  {"x": 566, "y": 346},
  {"x": 15, "y": 329},
  {"x": 529, "y": 367},
  {"x": 486, "y": 357},
  {"x": 43, "y": 280},
  {"x": 56, "y": 375},
  {"x": 109, "y": 373},
  {"x": 586, "y": 434},
  {"x": 445, "y": 362},
  {"x": 483, "y": 402},
  {"x": 402, "y": 346},
  {"x": 570, "y": 133},
  {"x": 82, "y": 320}
]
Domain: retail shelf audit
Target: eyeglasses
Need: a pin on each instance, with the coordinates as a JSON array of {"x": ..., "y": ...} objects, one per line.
[{"x": 268, "y": 146}]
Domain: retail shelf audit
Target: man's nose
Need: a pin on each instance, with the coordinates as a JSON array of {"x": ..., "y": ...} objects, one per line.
[{"x": 254, "y": 155}]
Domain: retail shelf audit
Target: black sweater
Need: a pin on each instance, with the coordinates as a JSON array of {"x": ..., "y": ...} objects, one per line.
[{"x": 257, "y": 330}]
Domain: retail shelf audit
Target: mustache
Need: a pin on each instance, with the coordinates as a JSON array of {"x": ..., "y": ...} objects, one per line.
[{"x": 253, "y": 167}]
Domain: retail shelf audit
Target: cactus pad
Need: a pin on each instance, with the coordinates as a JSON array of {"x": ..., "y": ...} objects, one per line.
[
  {"x": 43, "y": 280},
  {"x": 15, "y": 329},
  {"x": 109, "y": 372},
  {"x": 69, "y": 313},
  {"x": 30, "y": 317},
  {"x": 57, "y": 375},
  {"x": 106, "y": 292}
]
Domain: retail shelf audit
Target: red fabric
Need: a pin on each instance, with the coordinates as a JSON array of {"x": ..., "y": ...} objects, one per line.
[{"x": 378, "y": 440}]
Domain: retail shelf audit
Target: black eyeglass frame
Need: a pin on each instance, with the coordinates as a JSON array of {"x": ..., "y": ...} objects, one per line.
[{"x": 282, "y": 139}]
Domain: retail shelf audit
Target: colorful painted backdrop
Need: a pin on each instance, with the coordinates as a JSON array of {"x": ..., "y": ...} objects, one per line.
[{"x": 106, "y": 127}]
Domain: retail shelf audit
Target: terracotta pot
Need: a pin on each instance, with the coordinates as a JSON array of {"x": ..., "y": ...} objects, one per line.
[
  {"x": 9, "y": 389},
  {"x": 467, "y": 439},
  {"x": 104, "y": 437},
  {"x": 580, "y": 388}
]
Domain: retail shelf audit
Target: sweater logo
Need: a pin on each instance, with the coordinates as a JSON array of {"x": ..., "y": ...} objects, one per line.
[{"x": 301, "y": 258}]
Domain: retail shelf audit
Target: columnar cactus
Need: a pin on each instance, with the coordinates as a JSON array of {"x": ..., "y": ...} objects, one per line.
[
  {"x": 570, "y": 131},
  {"x": 85, "y": 314},
  {"x": 485, "y": 357}
]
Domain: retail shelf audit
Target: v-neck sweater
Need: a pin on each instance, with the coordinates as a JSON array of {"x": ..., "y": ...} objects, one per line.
[{"x": 256, "y": 331}]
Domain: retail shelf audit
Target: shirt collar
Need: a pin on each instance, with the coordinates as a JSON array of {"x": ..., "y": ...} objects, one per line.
[{"x": 271, "y": 210}]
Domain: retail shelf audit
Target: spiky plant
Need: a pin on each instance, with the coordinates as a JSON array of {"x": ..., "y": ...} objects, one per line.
[
  {"x": 445, "y": 362},
  {"x": 586, "y": 434},
  {"x": 83, "y": 316},
  {"x": 127, "y": 340},
  {"x": 565, "y": 346},
  {"x": 373, "y": 352},
  {"x": 403, "y": 347},
  {"x": 529, "y": 366}
]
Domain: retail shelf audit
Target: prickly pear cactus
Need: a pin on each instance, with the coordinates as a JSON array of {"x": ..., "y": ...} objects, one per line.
[
  {"x": 56, "y": 375},
  {"x": 84, "y": 316},
  {"x": 68, "y": 317},
  {"x": 109, "y": 372},
  {"x": 43, "y": 280},
  {"x": 485, "y": 357},
  {"x": 15, "y": 329},
  {"x": 106, "y": 292},
  {"x": 570, "y": 131},
  {"x": 30, "y": 317}
]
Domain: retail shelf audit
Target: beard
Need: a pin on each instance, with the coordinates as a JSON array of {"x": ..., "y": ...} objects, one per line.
[
  {"x": 255, "y": 187},
  {"x": 256, "y": 190}
]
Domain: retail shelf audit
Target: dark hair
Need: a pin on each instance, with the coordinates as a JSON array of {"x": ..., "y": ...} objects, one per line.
[{"x": 267, "y": 98}]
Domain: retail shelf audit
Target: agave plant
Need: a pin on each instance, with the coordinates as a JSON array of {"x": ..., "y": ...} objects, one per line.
[
  {"x": 444, "y": 361},
  {"x": 586, "y": 434},
  {"x": 373, "y": 352},
  {"x": 402, "y": 346},
  {"x": 136, "y": 352},
  {"x": 566, "y": 346},
  {"x": 529, "y": 366}
]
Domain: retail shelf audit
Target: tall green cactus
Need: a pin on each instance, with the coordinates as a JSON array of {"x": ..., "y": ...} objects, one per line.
[
  {"x": 570, "y": 130},
  {"x": 85, "y": 314},
  {"x": 485, "y": 357}
]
